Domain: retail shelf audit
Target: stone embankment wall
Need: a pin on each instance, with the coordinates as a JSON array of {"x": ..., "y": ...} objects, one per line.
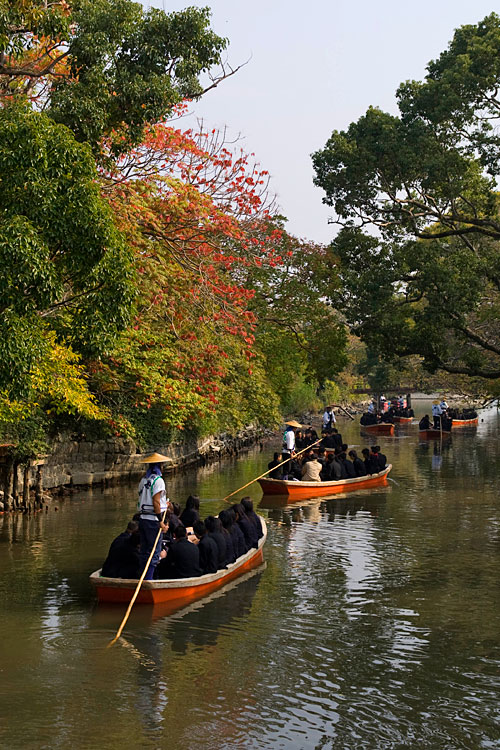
[{"x": 79, "y": 463}]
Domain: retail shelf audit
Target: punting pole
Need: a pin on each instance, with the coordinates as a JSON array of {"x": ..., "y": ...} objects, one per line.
[
  {"x": 139, "y": 584},
  {"x": 269, "y": 470},
  {"x": 338, "y": 406}
]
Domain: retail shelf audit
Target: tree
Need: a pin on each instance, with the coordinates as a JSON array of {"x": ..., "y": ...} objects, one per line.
[
  {"x": 105, "y": 67},
  {"x": 66, "y": 274},
  {"x": 428, "y": 280}
]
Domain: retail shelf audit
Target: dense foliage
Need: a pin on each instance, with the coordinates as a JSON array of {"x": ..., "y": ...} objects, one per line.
[
  {"x": 427, "y": 280},
  {"x": 147, "y": 285}
]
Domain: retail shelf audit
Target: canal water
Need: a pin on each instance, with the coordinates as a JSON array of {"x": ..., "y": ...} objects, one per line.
[{"x": 374, "y": 623}]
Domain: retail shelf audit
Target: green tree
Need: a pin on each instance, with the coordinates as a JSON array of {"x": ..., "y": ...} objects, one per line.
[{"x": 428, "y": 280}]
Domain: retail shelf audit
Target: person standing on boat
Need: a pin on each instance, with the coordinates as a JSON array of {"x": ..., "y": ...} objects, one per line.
[
  {"x": 289, "y": 437},
  {"x": 153, "y": 502},
  {"x": 444, "y": 406},
  {"x": 436, "y": 414},
  {"x": 328, "y": 418}
]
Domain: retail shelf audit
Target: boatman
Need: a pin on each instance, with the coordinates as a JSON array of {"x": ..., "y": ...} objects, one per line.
[
  {"x": 328, "y": 418},
  {"x": 153, "y": 502},
  {"x": 443, "y": 405},
  {"x": 289, "y": 437},
  {"x": 436, "y": 414}
]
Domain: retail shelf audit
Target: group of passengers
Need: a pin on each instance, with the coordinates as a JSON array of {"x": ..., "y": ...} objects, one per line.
[
  {"x": 327, "y": 462},
  {"x": 396, "y": 407},
  {"x": 441, "y": 416},
  {"x": 188, "y": 546}
]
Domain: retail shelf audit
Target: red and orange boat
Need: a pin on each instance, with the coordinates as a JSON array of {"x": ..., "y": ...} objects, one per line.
[
  {"x": 177, "y": 592},
  {"x": 305, "y": 490},
  {"x": 465, "y": 422},
  {"x": 403, "y": 420},
  {"x": 433, "y": 434},
  {"x": 381, "y": 428}
]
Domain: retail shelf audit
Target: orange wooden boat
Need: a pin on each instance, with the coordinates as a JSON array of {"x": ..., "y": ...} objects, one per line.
[
  {"x": 403, "y": 420},
  {"x": 465, "y": 422},
  {"x": 433, "y": 434},
  {"x": 304, "y": 490},
  {"x": 381, "y": 428},
  {"x": 177, "y": 591}
]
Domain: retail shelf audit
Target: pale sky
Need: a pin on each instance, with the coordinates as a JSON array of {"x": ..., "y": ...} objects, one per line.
[{"x": 315, "y": 67}]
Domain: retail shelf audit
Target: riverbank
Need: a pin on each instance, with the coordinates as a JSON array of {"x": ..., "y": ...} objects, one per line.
[{"x": 76, "y": 464}]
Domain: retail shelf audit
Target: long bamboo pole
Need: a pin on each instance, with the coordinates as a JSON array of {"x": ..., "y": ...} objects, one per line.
[
  {"x": 139, "y": 584},
  {"x": 269, "y": 470},
  {"x": 338, "y": 406}
]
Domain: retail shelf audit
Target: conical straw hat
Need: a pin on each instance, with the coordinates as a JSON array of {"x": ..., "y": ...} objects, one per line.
[
  {"x": 154, "y": 458},
  {"x": 293, "y": 423}
]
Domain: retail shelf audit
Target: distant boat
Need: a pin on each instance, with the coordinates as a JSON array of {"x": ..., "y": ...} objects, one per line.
[
  {"x": 465, "y": 422},
  {"x": 304, "y": 490},
  {"x": 177, "y": 591},
  {"x": 432, "y": 434},
  {"x": 403, "y": 420},
  {"x": 381, "y": 428}
]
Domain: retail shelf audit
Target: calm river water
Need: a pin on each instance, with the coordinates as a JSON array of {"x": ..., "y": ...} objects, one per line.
[{"x": 375, "y": 622}]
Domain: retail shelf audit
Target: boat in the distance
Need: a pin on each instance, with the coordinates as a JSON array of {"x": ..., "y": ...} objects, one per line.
[
  {"x": 432, "y": 434},
  {"x": 403, "y": 420},
  {"x": 381, "y": 428},
  {"x": 177, "y": 591},
  {"x": 465, "y": 422},
  {"x": 297, "y": 490}
]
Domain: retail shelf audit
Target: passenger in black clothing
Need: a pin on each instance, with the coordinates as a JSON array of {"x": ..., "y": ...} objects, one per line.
[
  {"x": 321, "y": 455},
  {"x": 182, "y": 560},
  {"x": 343, "y": 472},
  {"x": 371, "y": 467},
  {"x": 425, "y": 423},
  {"x": 368, "y": 418},
  {"x": 207, "y": 547},
  {"x": 123, "y": 556},
  {"x": 348, "y": 466},
  {"x": 191, "y": 514},
  {"x": 381, "y": 458},
  {"x": 239, "y": 545},
  {"x": 226, "y": 522},
  {"x": 247, "y": 527},
  {"x": 214, "y": 528},
  {"x": 335, "y": 470},
  {"x": 300, "y": 442},
  {"x": 277, "y": 473},
  {"x": 252, "y": 515},
  {"x": 359, "y": 466}
]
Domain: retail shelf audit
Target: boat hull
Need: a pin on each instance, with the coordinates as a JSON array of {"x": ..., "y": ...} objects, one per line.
[
  {"x": 177, "y": 592},
  {"x": 383, "y": 428},
  {"x": 403, "y": 420},
  {"x": 305, "y": 490},
  {"x": 464, "y": 423},
  {"x": 433, "y": 434}
]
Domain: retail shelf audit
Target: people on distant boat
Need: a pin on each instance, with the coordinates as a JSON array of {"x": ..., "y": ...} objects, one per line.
[
  {"x": 368, "y": 418},
  {"x": 425, "y": 423},
  {"x": 153, "y": 503},
  {"x": 328, "y": 418},
  {"x": 372, "y": 408},
  {"x": 443, "y": 405},
  {"x": 359, "y": 466},
  {"x": 123, "y": 556},
  {"x": 191, "y": 513}
]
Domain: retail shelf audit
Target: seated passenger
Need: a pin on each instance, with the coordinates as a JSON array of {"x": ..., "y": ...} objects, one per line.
[
  {"x": 359, "y": 466},
  {"x": 321, "y": 456},
  {"x": 332, "y": 471},
  {"x": 371, "y": 467},
  {"x": 368, "y": 418},
  {"x": 378, "y": 458},
  {"x": 214, "y": 528},
  {"x": 276, "y": 473},
  {"x": 123, "y": 556},
  {"x": 226, "y": 522},
  {"x": 239, "y": 545},
  {"x": 190, "y": 514},
  {"x": 248, "y": 528},
  {"x": 348, "y": 466},
  {"x": 311, "y": 470},
  {"x": 209, "y": 553},
  {"x": 182, "y": 560},
  {"x": 300, "y": 442},
  {"x": 425, "y": 423},
  {"x": 252, "y": 515}
]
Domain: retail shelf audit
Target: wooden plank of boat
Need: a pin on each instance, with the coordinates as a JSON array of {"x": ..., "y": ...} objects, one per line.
[
  {"x": 465, "y": 422},
  {"x": 305, "y": 490},
  {"x": 433, "y": 434},
  {"x": 178, "y": 591},
  {"x": 403, "y": 420},
  {"x": 382, "y": 428}
]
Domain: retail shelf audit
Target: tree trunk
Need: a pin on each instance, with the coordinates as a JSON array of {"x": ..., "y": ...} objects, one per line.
[
  {"x": 15, "y": 485},
  {"x": 26, "y": 485},
  {"x": 38, "y": 486}
]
